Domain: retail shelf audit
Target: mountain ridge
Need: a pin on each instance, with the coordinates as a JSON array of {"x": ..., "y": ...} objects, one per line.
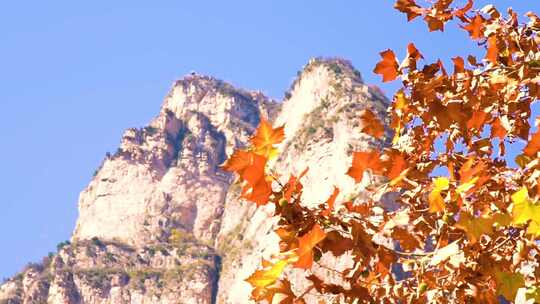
[{"x": 160, "y": 223}]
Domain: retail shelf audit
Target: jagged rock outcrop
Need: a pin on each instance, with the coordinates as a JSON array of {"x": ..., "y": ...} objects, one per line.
[
  {"x": 161, "y": 223},
  {"x": 321, "y": 131}
]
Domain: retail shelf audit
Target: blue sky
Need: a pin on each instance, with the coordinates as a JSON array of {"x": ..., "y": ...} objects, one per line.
[{"x": 75, "y": 74}]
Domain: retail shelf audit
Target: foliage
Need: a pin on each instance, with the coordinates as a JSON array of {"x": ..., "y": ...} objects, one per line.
[{"x": 468, "y": 236}]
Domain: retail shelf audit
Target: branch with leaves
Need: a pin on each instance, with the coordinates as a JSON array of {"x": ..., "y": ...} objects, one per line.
[{"x": 467, "y": 236}]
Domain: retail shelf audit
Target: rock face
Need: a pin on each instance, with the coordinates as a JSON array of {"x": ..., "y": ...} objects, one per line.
[{"x": 161, "y": 223}]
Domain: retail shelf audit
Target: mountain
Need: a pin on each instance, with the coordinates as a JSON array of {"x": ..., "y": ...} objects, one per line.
[{"x": 161, "y": 223}]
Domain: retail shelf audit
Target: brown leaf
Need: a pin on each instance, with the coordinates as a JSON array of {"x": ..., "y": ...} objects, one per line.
[
  {"x": 533, "y": 146},
  {"x": 370, "y": 124}
]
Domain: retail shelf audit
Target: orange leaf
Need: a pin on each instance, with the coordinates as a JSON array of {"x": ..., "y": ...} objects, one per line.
[
  {"x": 388, "y": 66},
  {"x": 363, "y": 161},
  {"x": 533, "y": 146},
  {"x": 497, "y": 129},
  {"x": 408, "y": 7},
  {"x": 459, "y": 65},
  {"x": 492, "y": 49},
  {"x": 258, "y": 193},
  {"x": 476, "y": 27},
  {"x": 397, "y": 167},
  {"x": 370, "y": 124},
  {"x": 460, "y": 13},
  {"x": 434, "y": 24},
  {"x": 413, "y": 55},
  {"x": 247, "y": 164},
  {"x": 266, "y": 137},
  {"x": 306, "y": 243},
  {"x": 330, "y": 202},
  {"x": 477, "y": 120}
]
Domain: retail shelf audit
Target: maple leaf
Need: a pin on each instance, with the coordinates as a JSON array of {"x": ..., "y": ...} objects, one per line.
[
  {"x": 460, "y": 13},
  {"x": 508, "y": 284},
  {"x": 370, "y": 124},
  {"x": 268, "y": 275},
  {"x": 474, "y": 227},
  {"x": 363, "y": 161},
  {"x": 523, "y": 208},
  {"x": 459, "y": 65},
  {"x": 436, "y": 201},
  {"x": 408, "y": 7},
  {"x": 476, "y": 27},
  {"x": 397, "y": 168},
  {"x": 533, "y": 146},
  {"x": 248, "y": 165},
  {"x": 330, "y": 202},
  {"x": 477, "y": 120},
  {"x": 434, "y": 24},
  {"x": 492, "y": 49},
  {"x": 279, "y": 292},
  {"x": 266, "y": 137},
  {"x": 497, "y": 129},
  {"x": 413, "y": 55},
  {"x": 306, "y": 243},
  {"x": 388, "y": 66},
  {"x": 258, "y": 193}
]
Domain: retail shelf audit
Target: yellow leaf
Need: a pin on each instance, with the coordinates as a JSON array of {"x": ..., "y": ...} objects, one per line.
[
  {"x": 523, "y": 209},
  {"x": 508, "y": 283},
  {"x": 267, "y": 276},
  {"x": 266, "y": 137},
  {"x": 436, "y": 201},
  {"x": 467, "y": 185},
  {"x": 474, "y": 227}
]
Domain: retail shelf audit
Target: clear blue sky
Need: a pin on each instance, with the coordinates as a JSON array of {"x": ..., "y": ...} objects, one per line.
[{"x": 75, "y": 74}]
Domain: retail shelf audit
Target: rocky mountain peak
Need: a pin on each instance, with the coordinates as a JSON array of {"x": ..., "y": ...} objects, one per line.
[{"x": 161, "y": 223}]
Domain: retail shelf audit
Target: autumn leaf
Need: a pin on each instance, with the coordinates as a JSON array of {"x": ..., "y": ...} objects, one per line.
[
  {"x": 266, "y": 137},
  {"x": 508, "y": 284},
  {"x": 476, "y": 27},
  {"x": 330, "y": 202},
  {"x": 258, "y": 193},
  {"x": 413, "y": 55},
  {"x": 370, "y": 124},
  {"x": 474, "y": 227},
  {"x": 523, "y": 208},
  {"x": 492, "y": 49},
  {"x": 477, "y": 120},
  {"x": 408, "y": 7},
  {"x": 306, "y": 243},
  {"x": 533, "y": 146},
  {"x": 434, "y": 24},
  {"x": 459, "y": 65},
  {"x": 436, "y": 201},
  {"x": 397, "y": 167},
  {"x": 461, "y": 13},
  {"x": 248, "y": 165},
  {"x": 388, "y": 66},
  {"x": 268, "y": 275},
  {"x": 279, "y": 292},
  {"x": 363, "y": 161},
  {"x": 498, "y": 129}
]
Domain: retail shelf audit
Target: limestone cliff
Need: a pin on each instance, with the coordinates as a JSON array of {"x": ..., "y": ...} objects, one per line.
[{"x": 161, "y": 223}]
